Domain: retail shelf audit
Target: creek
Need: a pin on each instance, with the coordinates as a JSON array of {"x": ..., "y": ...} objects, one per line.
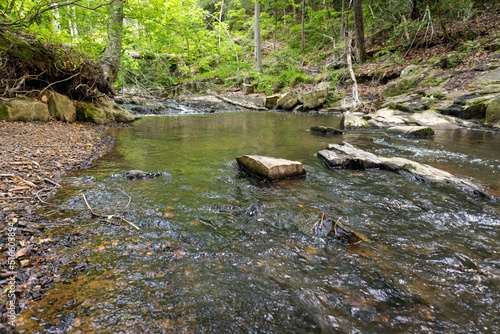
[{"x": 222, "y": 253}]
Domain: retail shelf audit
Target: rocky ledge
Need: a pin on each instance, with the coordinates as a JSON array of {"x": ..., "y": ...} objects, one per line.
[{"x": 344, "y": 155}]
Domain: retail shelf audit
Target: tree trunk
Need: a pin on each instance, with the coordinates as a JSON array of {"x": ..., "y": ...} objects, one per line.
[
  {"x": 302, "y": 35},
  {"x": 56, "y": 21},
  {"x": 359, "y": 31},
  {"x": 258, "y": 54},
  {"x": 110, "y": 62}
]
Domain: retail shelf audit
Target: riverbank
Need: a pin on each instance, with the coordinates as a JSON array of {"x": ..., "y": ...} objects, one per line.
[{"x": 33, "y": 159}]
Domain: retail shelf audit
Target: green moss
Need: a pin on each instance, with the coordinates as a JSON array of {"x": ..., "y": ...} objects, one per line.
[
  {"x": 422, "y": 133},
  {"x": 87, "y": 113},
  {"x": 5, "y": 112}
]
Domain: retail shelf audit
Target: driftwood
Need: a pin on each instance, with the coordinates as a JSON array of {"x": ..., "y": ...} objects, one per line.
[
  {"x": 121, "y": 218},
  {"x": 239, "y": 104}
]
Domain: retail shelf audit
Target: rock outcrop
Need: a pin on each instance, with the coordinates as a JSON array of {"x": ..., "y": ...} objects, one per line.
[
  {"x": 492, "y": 117},
  {"x": 345, "y": 155},
  {"x": 271, "y": 169}
]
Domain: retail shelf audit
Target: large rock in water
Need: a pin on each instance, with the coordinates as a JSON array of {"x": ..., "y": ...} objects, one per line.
[
  {"x": 61, "y": 107},
  {"x": 350, "y": 120},
  {"x": 271, "y": 168},
  {"x": 24, "y": 109},
  {"x": 345, "y": 155}
]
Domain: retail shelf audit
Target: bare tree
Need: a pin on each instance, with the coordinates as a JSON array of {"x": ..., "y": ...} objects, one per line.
[{"x": 258, "y": 53}]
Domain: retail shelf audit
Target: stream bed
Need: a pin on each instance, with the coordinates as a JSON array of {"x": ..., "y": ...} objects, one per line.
[{"x": 222, "y": 253}]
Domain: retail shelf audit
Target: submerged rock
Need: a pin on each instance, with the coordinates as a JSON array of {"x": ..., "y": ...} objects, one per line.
[
  {"x": 326, "y": 130},
  {"x": 344, "y": 155},
  {"x": 271, "y": 168},
  {"x": 139, "y": 174}
]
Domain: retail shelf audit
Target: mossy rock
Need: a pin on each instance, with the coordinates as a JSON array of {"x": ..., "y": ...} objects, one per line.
[
  {"x": 436, "y": 79},
  {"x": 421, "y": 133},
  {"x": 349, "y": 121},
  {"x": 103, "y": 112},
  {"x": 326, "y": 130},
  {"x": 24, "y": 109},
  {"x": 493, "y": 113}
]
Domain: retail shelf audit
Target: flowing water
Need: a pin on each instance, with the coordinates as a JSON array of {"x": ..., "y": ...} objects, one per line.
[{"x": 222, "y": 253}]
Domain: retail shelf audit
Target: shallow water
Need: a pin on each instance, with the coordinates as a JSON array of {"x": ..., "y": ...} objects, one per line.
[{"x": 218, "y": 252}]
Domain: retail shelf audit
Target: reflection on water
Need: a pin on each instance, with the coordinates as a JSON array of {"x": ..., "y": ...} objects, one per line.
[{"x": 221, "y": 253}]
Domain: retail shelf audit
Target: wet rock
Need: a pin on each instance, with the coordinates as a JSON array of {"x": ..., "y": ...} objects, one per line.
[
  {"x": 350, "y": 120},
  {"x": 61, "y": 107},
  {"x": 326, "y": 130},
  {"x": 414, "y": 131},
  {"x": 139, "y": 174},
  {"x": 344, "y": 155},
  {"x": 271, "y": 168},
  {"x": 144, "y": 110},
  {"x": 271, "y": 101},
  {"x": 316, "y": 97},
  {"x": 290, "y": 99}
]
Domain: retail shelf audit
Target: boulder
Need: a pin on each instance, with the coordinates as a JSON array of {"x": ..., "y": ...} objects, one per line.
[
  {"x": 61, "y": 107},
  {"x": 326, "y": 130},
  {"x": 271, "y": 168},
  {"x": 248, "y": 88},
  {"x": 103, "y": 112},
  {"x": 344, "y": 155},
  {"x": 271, "y": 101},
  {"x": 410, "y": 131},
  {"x": 290, "y": 99},
  {"x": 316, "y": 97},
  {"x": 493, "y": 113},
  {"x": 24, "y": 109},
  {"x": 350, "y": 120}
]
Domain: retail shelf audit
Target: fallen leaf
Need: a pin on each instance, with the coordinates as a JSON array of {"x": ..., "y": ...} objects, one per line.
[
  {"x": 21, "y": 252},
  {"x": 89, "y": 144},
  {"x": 195, "y": 222},
  {"x": 168, "y": 214},
  {"x": 170, "y": 207},
  {"x": 100, "y": 248}
]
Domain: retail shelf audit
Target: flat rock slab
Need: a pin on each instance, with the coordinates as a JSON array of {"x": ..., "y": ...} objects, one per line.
[
  {"x": 344, "y": 155},
  {"x": 271, "y": 169}
]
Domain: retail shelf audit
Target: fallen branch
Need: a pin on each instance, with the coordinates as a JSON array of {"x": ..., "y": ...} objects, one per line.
[
  {"x": 243, "y": 105},
  {"x": 31, "y": 184},
  {"x": 95, "y": 215}
]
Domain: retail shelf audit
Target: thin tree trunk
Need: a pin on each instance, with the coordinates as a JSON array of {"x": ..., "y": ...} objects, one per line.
[
  {"x": 110, "y": 62},
  {"x": 302, "y": 35},
  {"x": 10, "y": 7},
  {"x": 355, "y": 94},
  {"x": 342, "y": 26},
  {"x": 258, "y": 55},
  {"x": 56, "y": 22},
  {"x": 220, "y": 18},
  {"x": 75, "y": 26},
  {"x": 359, "y": 31}
]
